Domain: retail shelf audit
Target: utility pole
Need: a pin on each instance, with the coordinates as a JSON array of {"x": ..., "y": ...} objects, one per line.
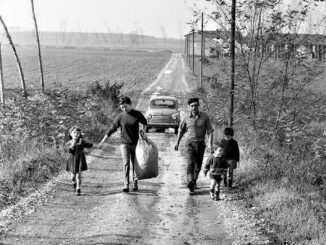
[
  {"x": 232, "y": 53},
  {"x": 188, "y": 50},
  {"x": 38, "y": 46},
  {"x": 193, "y": 51},
  {"x": 202, "y": 49},
  {"x": 1, "y": 80}
]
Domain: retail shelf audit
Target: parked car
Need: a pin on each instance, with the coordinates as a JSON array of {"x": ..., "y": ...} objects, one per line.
[{"x": 163, "y": 113}]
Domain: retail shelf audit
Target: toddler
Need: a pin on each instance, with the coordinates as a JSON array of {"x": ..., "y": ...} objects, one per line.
[{"x": 216, "y": 165}]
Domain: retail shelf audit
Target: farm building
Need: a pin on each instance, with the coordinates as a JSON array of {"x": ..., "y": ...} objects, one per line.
[
  {"x": 217, "y": 44},
  {"x": 310, "y": 42}
]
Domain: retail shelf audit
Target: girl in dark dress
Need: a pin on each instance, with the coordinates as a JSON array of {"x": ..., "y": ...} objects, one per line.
[{"x": 77, "y": 160}]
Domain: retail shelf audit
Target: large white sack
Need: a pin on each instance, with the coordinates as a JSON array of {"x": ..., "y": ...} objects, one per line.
[{"x": 146, "y": 165}]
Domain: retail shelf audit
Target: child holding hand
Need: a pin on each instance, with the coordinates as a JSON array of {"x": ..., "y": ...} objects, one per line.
[
  {"x": 216, "y": 165},
  {"x": 77, "y": 160}
]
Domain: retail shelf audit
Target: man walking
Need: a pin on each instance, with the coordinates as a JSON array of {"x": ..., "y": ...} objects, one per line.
[
  {"x": 128, "y": 120},
  {"x": 196, "y": 124}
]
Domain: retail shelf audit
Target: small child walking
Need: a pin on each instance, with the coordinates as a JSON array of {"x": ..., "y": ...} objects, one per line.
[
  {"x": 231, "y": 154},
  {"x": 216, "y": 165},
  {"x": 77, "y": 160}
]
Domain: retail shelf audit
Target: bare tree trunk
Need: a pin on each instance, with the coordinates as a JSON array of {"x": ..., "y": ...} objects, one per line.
[
  {"x": 38, "y": 46},
  {"x": 164, "y": 35},
  {"x": 16, "y": 56},
  {"x": 1, "y": 81},
  {"x": 284, "y": 84}
]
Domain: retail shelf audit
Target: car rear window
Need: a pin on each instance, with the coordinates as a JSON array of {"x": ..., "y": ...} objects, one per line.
[{"x": 163, "y": 104}]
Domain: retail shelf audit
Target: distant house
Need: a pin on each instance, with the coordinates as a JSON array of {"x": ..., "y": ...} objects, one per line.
[
  {"x": 217, "y": 43},
  {"x": 310, "y": 42},
  {"x": 311, "y": 46}
]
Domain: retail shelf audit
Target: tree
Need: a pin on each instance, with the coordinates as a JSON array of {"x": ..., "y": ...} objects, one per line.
[
  {"x": 134, "y": 37},
  {"x": 270, "y": 76},
  {"x": 22, "y": 79},
  {"x": 162, "y": 29},
  {"x": 63, "y": 30},
  {"x": 38, "y": 46},
  {"x": 121, "y": 38}
]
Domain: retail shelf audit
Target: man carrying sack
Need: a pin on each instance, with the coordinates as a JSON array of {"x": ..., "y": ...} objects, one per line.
[{"x": 128, "y": 121}]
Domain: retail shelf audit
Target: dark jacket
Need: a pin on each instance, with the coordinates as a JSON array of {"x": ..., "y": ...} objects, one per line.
[
  {"x": 231, "y": 149},
  {"x": 77, "y": 160},
  {"x": 129, "y": 124},
  {"x": 215, "y": 165}
]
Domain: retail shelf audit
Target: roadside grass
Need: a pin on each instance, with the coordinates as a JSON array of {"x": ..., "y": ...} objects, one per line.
[
  {"x": 287, "y": 184},
  {"x": 294, "y": 214},
  {"x": 284, "y": 181},
  {"x": 28, "y": 162},
  {"x": 25, "y": 165}
]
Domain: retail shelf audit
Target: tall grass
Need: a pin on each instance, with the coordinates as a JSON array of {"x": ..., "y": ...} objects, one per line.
[
  {"x": 26, "y": 162},
  {"x": 287, "y": 183},
  {"x": 283, "y": 173}
]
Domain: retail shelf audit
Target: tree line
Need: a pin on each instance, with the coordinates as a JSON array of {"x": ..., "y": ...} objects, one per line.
[{"x": 262, "y": 72}]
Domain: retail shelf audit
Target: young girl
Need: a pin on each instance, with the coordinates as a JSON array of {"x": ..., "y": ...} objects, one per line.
[
  {"x": 77, "y": 160},
  {"x": 216, "y": 165}
]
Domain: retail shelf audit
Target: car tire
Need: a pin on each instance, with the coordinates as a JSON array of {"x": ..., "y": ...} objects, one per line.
[{"x": 176, "y": 131}]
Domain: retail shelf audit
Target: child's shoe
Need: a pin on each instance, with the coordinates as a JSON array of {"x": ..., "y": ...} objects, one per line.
[
  {"x": 217, "y": 196},
  {"x": 135, "y": 185},
  {"x": 78, "y": 192},
  {"x": 211, "y": 192}
]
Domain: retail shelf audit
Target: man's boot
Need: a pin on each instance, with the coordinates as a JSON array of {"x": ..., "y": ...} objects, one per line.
[
  {"x": 195, "y": 179},
  {"x": 191, "y": 182},
  {"x": 191, "y": 186}
]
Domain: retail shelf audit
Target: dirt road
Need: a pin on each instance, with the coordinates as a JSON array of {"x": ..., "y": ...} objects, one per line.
[{"x": 160, "y": 212}]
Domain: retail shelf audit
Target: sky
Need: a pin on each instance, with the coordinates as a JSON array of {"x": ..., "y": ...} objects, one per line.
[{"x": 149, "y": 17}]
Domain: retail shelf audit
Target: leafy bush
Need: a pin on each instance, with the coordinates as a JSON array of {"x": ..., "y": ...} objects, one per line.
[
  {"x": 107, "y": 91},
  {"x": 26, "y": 162},
  {"x": 107, "y": 98}
]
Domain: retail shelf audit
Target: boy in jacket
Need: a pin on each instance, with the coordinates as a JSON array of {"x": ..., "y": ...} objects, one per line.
[
  {"x": 231, "y": 154},
  {"x": 216, "y": 165}
]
